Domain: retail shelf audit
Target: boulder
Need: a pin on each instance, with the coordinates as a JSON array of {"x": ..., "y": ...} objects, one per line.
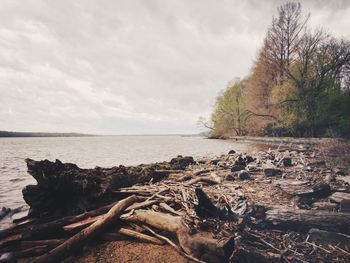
[
  {"x": 180, "y": 163},
  {"x": 243, "y": 175},
  {"x": 215, "y": 161},
  {"x": 272, "y": 172},
  {"x": 240, "y": 161},
  {"x": 232, "y": 152},
  {"x": 287, "y": 161},
  {"x": 248, "y": 159},
  {"x": 237, "y": 167}
]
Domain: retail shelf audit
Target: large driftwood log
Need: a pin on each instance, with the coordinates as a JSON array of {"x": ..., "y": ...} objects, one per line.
[
  {"x": 78, "y": 240},
  {"x": 303, "y": 220},
  {"x": 198, "y": 245},
  {"x": 66, "y": 189}
]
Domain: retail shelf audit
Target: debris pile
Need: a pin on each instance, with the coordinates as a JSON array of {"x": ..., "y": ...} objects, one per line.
[{"x": 270, "y": 206}]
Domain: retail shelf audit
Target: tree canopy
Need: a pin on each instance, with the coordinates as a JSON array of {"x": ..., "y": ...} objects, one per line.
[{"x": 299, "y": 84}]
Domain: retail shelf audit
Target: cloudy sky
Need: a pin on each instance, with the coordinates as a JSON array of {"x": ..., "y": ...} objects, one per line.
[{"x": 130, "y": 67}]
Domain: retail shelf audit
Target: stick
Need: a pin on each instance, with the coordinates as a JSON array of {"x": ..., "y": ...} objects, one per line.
[
  {"x": 78, "y": 240},
  {"x": 140, "y": 236},
  {"x": 173, "y": 245},
  {"x": 86, "y": 222}
]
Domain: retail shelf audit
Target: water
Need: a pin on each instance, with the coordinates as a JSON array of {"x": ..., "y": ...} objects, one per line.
[{"x": 88, "y": 152}]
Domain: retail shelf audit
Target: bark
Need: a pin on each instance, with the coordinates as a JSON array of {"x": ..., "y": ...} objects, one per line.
[
  {"x": 303, "y": 220},
  {"x": 80, "y": 239},
  {"x": 44, "y": 230},
  {"x": 65, "y": 189},
  {"x": 325, "y": 238},
  {"x": 199, "y": 246}
]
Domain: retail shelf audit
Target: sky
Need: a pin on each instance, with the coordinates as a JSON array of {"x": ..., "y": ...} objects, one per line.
[{"x": 133, "y": 66}]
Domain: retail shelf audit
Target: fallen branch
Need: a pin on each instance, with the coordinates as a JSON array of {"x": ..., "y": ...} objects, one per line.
[{"x": 82, "y": 237}]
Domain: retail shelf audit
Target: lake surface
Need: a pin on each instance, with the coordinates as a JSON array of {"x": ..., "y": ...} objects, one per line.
[{"x": 88, "y": 152}]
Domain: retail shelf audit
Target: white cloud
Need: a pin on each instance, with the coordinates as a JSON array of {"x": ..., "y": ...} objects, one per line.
[{"x": 126, "y": 66}]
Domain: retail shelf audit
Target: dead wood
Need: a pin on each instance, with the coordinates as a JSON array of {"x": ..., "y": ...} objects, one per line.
[
  {"x": 64, "y": 188},
  {"x": 303, "y": 220},
  {"x": 85, "y": 235},
  {"x": 328, "y": 238}
]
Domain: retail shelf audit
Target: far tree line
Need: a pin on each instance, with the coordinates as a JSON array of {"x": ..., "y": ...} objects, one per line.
[{"x": 299, "y": 84}]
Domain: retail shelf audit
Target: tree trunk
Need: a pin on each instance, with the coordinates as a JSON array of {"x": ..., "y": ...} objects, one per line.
[
  {"x": 303, "y": 220},
  {"x": 65, "y": 189}
]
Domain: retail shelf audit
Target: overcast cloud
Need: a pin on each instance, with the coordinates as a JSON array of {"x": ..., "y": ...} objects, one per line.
[{"x": 130, "y": 67}]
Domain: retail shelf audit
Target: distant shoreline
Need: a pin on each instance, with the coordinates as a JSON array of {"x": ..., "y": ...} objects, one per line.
[{"x": 10, "y": 134}]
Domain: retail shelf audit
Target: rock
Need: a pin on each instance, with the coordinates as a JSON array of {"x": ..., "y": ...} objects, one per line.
[
  {"x": 180, "y": 163},
  {"x": 240, "y": 161},
  {"x": 223, "y": 165},
  {"x": 243, "y": 175},
  {"x": 287, "y": 161},
  {"x": 215, "y": 161},
  {"x": 252, "y": 168},
  {"x": 230, "y": 177},
  {"x": 249, "y": 159},
  {"x": 272, "y": 172},
  {"x": 232, "y": 152},
  {"x": 237, "y": 167}
]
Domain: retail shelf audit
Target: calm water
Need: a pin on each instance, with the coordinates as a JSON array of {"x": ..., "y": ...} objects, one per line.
[{"x": 88, "y": 152}]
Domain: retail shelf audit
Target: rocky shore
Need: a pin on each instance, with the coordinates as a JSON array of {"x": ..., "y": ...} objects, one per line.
[{"x": 285, "y": 204}]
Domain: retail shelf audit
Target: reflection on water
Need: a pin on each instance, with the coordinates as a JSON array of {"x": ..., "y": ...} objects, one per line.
[{"x": 88, "y": 152}]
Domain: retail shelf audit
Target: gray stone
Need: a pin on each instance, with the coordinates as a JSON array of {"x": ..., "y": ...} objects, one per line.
[
  {"x": 287, "y": 161},
  {"x": 243, "y": 175},
  {"x": 237, "y": 167},
  {"x": 272, "y": 172}
]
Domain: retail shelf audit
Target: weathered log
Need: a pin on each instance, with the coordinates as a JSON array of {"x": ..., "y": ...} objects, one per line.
[
  {"x": 244, "y": 255},
  {"x": 338, "y": 197},
  {"x": 45, "y": 230},
  {"x": 66, "y": 189},
  {"x": 328, "y": 238},
  {"x": 303, "y": 220},
  {"x": 201, "y": 247},
  {"x": 15, "y": 245},
  {"x": 78, "y": 225},
  {"x": 210, "y": 179},
  {"x": 78, "y": 240}
]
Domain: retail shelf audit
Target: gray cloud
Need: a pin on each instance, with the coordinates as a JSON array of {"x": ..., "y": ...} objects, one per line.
[{"x": 113, "y": 67}]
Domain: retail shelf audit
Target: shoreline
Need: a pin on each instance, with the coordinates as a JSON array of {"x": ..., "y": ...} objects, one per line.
[{"x": 274, "y": 179}]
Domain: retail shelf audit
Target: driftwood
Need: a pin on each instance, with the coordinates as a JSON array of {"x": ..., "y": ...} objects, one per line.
[
  {"x": 82, "y": 237},
  {"x": 325, "y": 238},
  {"x": 203, "y": 248},
  {"x": 39, "y": 231},
  {"x": 64, "y": 188},
  {"x": 303, "y": 220},
  {"x": 206, "y": 208},
  {"x": 218, "y": 222}
]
